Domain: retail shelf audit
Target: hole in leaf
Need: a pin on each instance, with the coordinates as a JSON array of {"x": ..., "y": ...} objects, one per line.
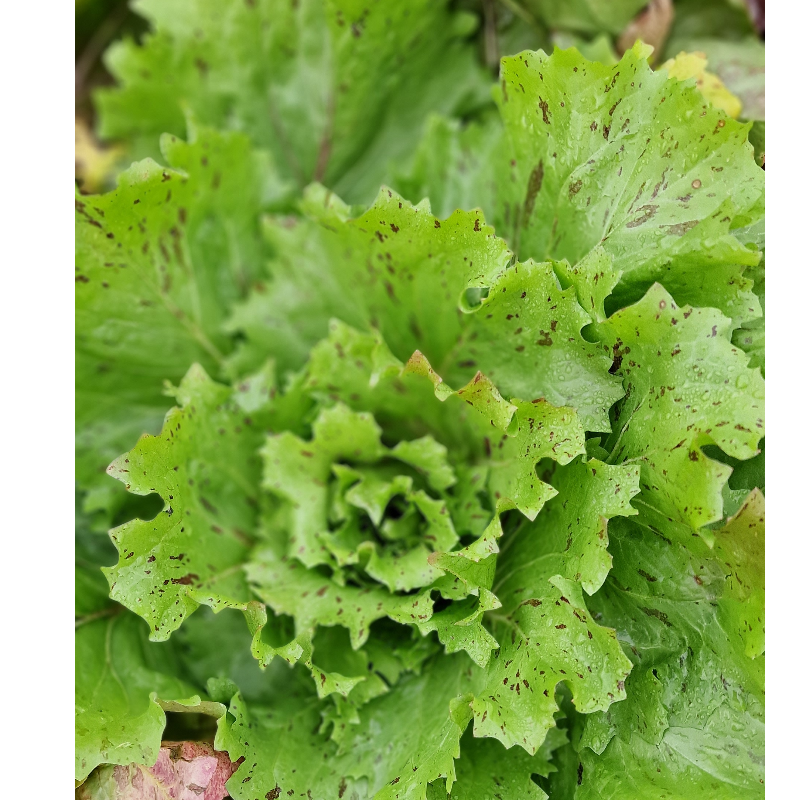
[
  {"x": 183, "y": 727},
  {"x": 397, "y": 508},
  {"x": 545, "y": 469},
  {"x": 472, "y": 298},
  {"x": 441, "y": 604},
  {"x": 145, "y": 507}
]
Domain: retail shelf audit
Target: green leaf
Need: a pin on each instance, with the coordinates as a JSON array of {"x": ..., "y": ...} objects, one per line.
[
  {"x": 119, "y": 676},
  {"x": 543, "y": 432},
  {"x": 751, "y": 337},
  {"x": 205, "y": 467},
  {"x": 688, "y": 763},
  {"x": 402, "y": 449},
  {"x": 324, "y": 86},
  {"x": 91, "y": 593},
  {"x": 650, "y": 200},
  {"x": 430, "y": 458},
  {"x": 544, "y": 354},
  {"x": 562, "y": 785},
  {"x": 521, "y": 435},
  {"x": 159, "y": 261},
  {"x": 548, "y": 638},
  {"x": 460, "y": 627},
  {"x": 217, "y": 647},
  {"x": 739, "y": 546},
  {"x": 417, "y": 717},
  {"x": 665, "y": 595},
  {"x": 540, "y": 643},
  {"x": 423, "y": 718},
  {"x": 749, "y": 475},
  {"x": 358, "y": 368},
  {"x": 449, "y": 163},
  {"x": 599, "y": 48},
  {"x": 641, "y": 713},
  {"x": 719, "y": 19},
  {"x": 312, "y": 599},
  {"x": 480, "y": 393},
  {"x": 283, "y": 751},
  {"x": 335, "y": 656},
  {"x": 271, "y": 638},
  {"x": 618, "y": 157},
  {"x": 437, "y": 286},
  {"x": 569, "y": 536},
  {"x": 694, "y": 718},
  {"x": 686, "y": 387},
  {"x": 757, "y": 137},
  {"x": 93, "y": 550},
  {"x": 468, "y": 507},
  {"x": 297, "y": 471},
  {"x": 594, "y": 279},
  {"x": 474, "y": 564},
  {"x": 588, "y": 16},
  {"x": 487, "y": 769},
  {"x": 395, "y": 267}
]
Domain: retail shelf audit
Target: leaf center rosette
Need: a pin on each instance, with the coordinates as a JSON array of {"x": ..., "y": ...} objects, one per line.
[
  {"x": 383, "y": 511},
  {"x": 369, "y": 505},
  {"x": 357, "y": 511}
]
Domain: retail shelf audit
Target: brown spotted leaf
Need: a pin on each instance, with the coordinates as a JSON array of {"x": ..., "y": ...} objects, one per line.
[
  {"x": 395, "y": 267},
  {"x": 204, "y": 465},
  {"x": 548, "y": 638},
  {"x": 159, "y": 262},
  {"x": 686, "y": 387},
  {"x": 336, "y": 90},
  {"x": 691, "y": 619},
  {"x": 618, "y": 158}
]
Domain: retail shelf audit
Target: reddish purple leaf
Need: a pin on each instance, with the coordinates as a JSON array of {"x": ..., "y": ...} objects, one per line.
[{"x": 183, "y": 771}]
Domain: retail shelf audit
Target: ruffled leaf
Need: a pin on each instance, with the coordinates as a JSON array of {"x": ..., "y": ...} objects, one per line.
[
  {"x": 614, "y": 157},
  {"x": 547, "y": 639},
  {"x": 204, "y": 466},
  {"x": 396, "y": 267},
  {"x": 159, "y": 261},
  {"x": 544, "y": 353},
  {"x": 324, "y": 86},
  {"x": 569, "y": 536},
  {"x": 120, "y": 677},
  {"x": 694, "y": 718},
  {"x": 686, "y": 387}
]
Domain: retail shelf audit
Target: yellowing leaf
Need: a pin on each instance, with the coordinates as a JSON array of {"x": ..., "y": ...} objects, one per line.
[
  {"x": 693, "y": 65},
  {"x": 94, "y": 164}
]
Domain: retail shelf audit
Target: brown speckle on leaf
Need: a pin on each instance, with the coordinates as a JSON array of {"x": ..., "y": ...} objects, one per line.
[
  {"x": 545, "y": 109},
  {"x": 534, "y": 187}
]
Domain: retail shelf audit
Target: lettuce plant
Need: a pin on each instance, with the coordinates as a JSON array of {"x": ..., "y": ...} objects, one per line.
[{"x": 451, "y": 503}]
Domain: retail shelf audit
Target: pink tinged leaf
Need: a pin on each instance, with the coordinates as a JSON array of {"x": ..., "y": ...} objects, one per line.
[{"x": 183, "y": 771}]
